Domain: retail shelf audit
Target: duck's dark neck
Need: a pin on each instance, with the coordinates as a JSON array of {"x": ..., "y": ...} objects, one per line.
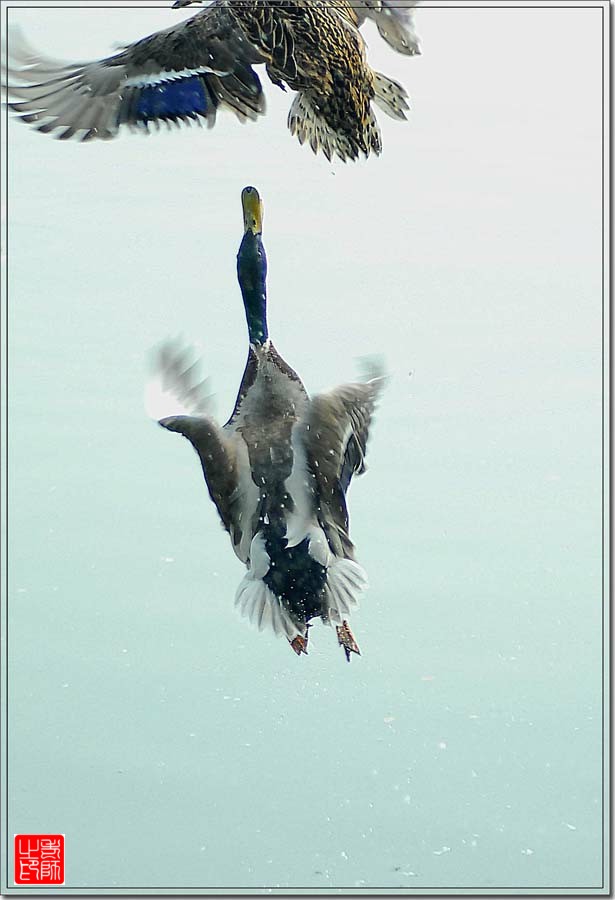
[{"x": 252, "y": 274}]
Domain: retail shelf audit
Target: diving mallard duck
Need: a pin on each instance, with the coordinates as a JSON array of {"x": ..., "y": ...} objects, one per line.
[
  {"x": 186, "y": 72},
  {"x": 279, "y": 470}
]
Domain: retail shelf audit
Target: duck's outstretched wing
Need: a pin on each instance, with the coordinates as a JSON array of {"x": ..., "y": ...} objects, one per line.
[
  {"x": 217, "y": 460},
  {"x": 335, "y": 431},
  {"x": 183, "y": 73},
  {"x": 174, "y": 386},
  {"x": 395, "y": 21}
]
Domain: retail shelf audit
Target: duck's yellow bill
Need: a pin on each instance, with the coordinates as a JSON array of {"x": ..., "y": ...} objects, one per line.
[{"x": 252, "y": 210}]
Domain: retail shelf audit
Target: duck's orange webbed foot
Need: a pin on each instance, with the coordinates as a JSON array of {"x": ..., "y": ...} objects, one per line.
[
  {"x": 346, "y": 639},
  {"x": 299, "y": 644}
]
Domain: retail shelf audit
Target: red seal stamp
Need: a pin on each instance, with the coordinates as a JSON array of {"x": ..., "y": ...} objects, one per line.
[{"x": 39, "y": 859}]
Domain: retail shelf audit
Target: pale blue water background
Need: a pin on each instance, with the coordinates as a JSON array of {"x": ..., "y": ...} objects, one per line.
[{"x": 170, "y": 742}]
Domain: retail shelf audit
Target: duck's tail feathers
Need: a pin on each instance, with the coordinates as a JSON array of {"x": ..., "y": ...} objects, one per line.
[
  {"x": 346, "y": 583},
  {"x": 390, "y": 96},
  {"x": 263, "y": 609},
  {"x": 307, "y": 122}
]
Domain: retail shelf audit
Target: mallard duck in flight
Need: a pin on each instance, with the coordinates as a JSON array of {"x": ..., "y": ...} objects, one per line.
[
  {"x": 190, "y": 70},
  {"x": 279, "y": 470}
]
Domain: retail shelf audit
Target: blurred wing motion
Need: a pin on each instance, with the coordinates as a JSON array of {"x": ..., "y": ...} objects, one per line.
[
  {"x": 175, "y": 386},
  {"x": 187, "y": 72},
  {"x": 395, "y": 21},
  {"x": 180, "y": 402}
]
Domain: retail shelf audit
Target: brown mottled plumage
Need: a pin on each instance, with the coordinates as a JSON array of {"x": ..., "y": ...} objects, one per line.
[
  {"x": 315, "y": 47},
  {"x": 186, "y": 72}
]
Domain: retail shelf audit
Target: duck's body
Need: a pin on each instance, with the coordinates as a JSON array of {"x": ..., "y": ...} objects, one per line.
[
  {"x": 188, "y": 71},
  {"x": 278, "y": 472}
]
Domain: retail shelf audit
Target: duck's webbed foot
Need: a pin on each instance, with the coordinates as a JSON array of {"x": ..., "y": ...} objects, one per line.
[
  {"x": 300, "y": 642},
  {"x": 346, "y": 639}
]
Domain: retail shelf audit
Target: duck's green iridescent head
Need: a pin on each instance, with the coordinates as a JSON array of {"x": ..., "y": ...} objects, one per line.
[{"x": 252, "y": 267}]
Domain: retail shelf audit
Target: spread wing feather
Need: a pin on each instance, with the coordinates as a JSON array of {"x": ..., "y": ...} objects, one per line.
[
  {"x": 335, "y": 431},
  {"x": 178, "y": 74}
]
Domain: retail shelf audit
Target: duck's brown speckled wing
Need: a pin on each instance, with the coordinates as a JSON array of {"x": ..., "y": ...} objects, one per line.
[{"x": 184, "y": 72}]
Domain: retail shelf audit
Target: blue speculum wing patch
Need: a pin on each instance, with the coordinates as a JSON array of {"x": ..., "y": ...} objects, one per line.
[{"x": 184, "y": 96}]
